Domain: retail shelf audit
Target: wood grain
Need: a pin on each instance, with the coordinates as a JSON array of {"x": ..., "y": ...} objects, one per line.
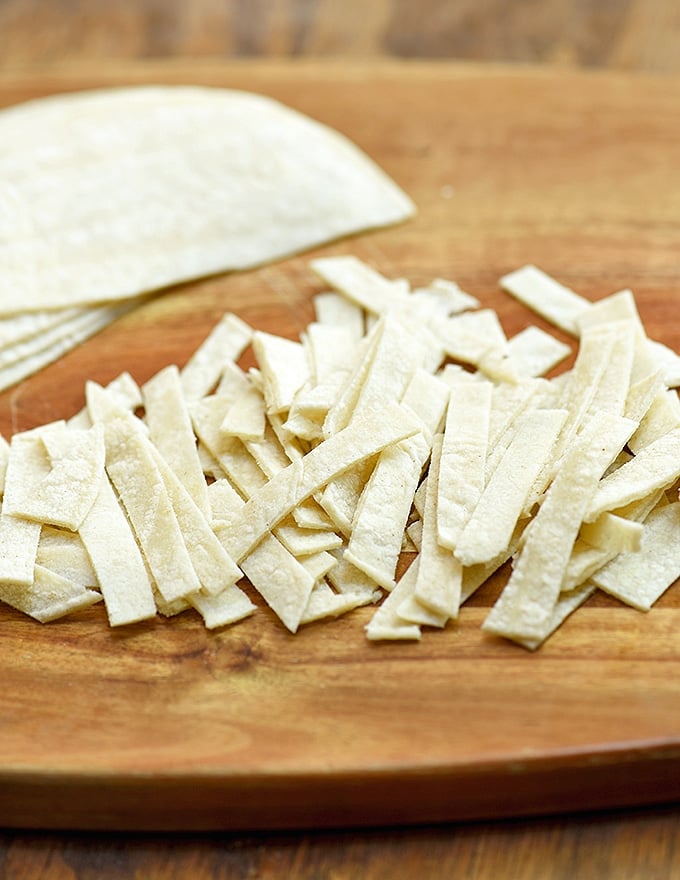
[
  {"x": 165, "y": 725},
  {"x": 632, "y": 845},
  {"x": 626, "y": 34}
]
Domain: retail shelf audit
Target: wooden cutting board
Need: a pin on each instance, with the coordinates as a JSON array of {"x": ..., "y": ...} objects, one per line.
[{"x": 165, "y": 725}]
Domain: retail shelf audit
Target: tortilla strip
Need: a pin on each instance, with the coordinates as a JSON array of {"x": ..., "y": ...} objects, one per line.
[
  {"x": 529, "y": 598},
  {"x": 662, "y": 416},
  {"x": 246, "y": 416},
  {"x": 585, "y": 559},
  {"x": 490, "y": 526},
  {"x": 169, "y": 423},
  {"x": 214, "y": 567},
  {"x": 318, "y": 565},
  {"x": 365, "y": 436},
  {"x": 387, "y": 623},
  {"x": 440, "y": 573},
  {"x": 282, "y": 580},
  {"x": 547, "y": 297},
  {"x": 360, "y": 283},
  {"x": 566, "y": 604},
  {"x": 347, "y": 578},
  {"x": 305, "y": 542},
  {"x": 227, "y": 607},
  {"x": 18, "y": 549},
  {"x": 141, "y": 488},
  {"x": 224, "y": 345},
  {"x": 283, "y": 367},
  {"x": 641, "y": 578},
  {"x": 655, "y": 466},
  {"x": 385, "y": 503},
  {"x": 122, "y": 575},
  {"x": 48, "y": 596},
  {"x": 64, "y": 553},
  {"x": 477, "y": 338},
  {"x": 334, "y": 310},
  {"x": 464, "y": 449},
  {"x": 534, "y": 352},
  {"x": 383, "y": 374},
  {"x": 323, "y": 603},
  {"x": 62, "y": 491},
  {"x": 611, "y": 532}
]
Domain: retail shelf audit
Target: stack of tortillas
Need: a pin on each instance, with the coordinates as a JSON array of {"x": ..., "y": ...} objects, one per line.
[{"x": 108, "y": 196}]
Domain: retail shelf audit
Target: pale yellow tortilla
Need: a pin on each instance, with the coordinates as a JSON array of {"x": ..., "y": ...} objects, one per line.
[{"x": 112, "y": 193}]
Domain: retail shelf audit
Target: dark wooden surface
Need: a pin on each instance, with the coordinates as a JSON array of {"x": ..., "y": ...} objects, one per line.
[
  {"x": 634, "y": 35},
  {"x": 635, "y": 845}
]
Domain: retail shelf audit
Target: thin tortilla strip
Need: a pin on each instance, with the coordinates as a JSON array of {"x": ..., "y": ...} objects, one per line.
[
  {"x": 585, "y": 559},
  {"x": 547, "y": 297},
  {"x": 305, "y": 542},
  {"x": 224, "y": 345},
  {"x": 534, "y": 352},
  {"x": 611, "y": 391},
  {"x": 366, "y": 435},
  {"x": 283, "y": 581},
  {"x": 123, "y": 390},
  {"x": 477, "y": 338},
  {"x": 662, "y": 416},
  {"x": 464, "y": 450},
  {"x": 154, "y": 185},
  {"x": 214, "y": 567},
  {"x": 48, "y": 596},
  {"x": 233, "y": 458},
  {"x": 319, "y": 565},
  {"x": 509, "y": 404},
  {"x": 611, "y": 532},
  {"x": 122, "y": 575},
  {"x": 490, "y": 526},
  {"x": 169, "y": 423},
  {"x": 62, "y": 494},
  {"x": 64, "y": 553},
  {"x": 566, "y": 604},
  {"x": 283, "y": 367},
  {"x": 18, "y": 549},
  {"x": 383, "y": 509},
  {"x": 334, "y": 310},
  {"x": 360, "y": 283},
  {"x": 382, "y": 513},
  {"x": 529, "y": 598},
  {"x": 387, "y": 623},
  {"x": 227, "y": 607},
  {"x": 347, "y": 578},
  {"x": 451, "y": 300},
  {"x": 246, "y": 416},
  {"x": 340, "y": 498},
  {"x": 141, "y": 488},
  {"x": 641, "y": 578},
  {"x": 324, "y": 603},
  {"x": 440, "y": 573},
  {"x": 383, "y": 375},
  {"x": 654, "y": 467}
]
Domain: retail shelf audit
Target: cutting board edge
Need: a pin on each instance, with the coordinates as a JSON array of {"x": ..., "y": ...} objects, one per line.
[{"x": 577, "y": 781}]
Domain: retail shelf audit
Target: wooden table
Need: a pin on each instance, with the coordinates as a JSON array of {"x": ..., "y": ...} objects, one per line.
[
  {"x": 626, "y": 34},
  {"x": 634, "y": 843}
]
